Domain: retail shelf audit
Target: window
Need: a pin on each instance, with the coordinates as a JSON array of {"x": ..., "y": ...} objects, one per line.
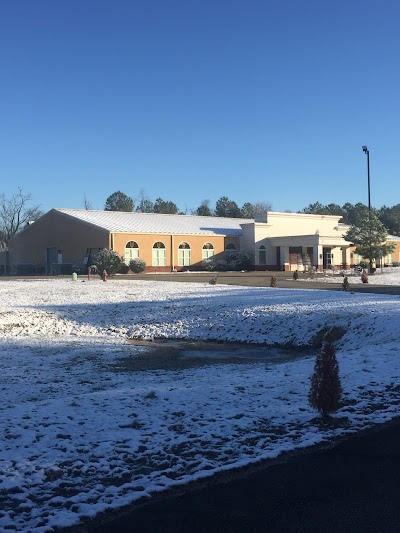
[
  {"x": 159, "y": 255},
  {"x": 262, "y": 255},
  {"x": 90, "y": 252},
  {"x": 184, "y": 254},
  {"x": 295, "y": 250},
  {"x": 229, "y": 250},
  {"x": 131, "y": 251},
  {"x": 208, "y": 251}
]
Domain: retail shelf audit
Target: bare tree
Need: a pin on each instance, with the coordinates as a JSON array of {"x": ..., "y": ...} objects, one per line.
[
  {"x": 250, "y": 210},
  {"x": 16, "y": 213},
  {"x": 86, "y": 203},
  {"x": 145, "y": 205}
]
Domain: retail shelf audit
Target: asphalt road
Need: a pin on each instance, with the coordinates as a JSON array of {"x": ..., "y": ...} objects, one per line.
[
  {"x": 353, "y": 487},
  {"x": 247, "y": 279},
  {"x": 263, "y": 279}
]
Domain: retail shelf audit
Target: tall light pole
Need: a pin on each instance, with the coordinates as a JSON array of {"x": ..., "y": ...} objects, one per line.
[{"x": 366, "y": 151}]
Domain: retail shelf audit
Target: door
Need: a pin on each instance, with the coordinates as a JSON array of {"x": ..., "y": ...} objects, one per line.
[{"x": 51, "y": 257}]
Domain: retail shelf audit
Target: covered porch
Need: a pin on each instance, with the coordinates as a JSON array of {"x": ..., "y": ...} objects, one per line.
[{"x": 311, "y": 252}]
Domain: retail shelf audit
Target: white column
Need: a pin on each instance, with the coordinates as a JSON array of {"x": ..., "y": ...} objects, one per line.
[{"x": 318, "y": 257}]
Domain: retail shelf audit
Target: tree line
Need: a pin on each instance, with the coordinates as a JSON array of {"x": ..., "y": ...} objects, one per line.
[
  {"x": 389, "y": 216},
  {"x": 224, "y": 207}
]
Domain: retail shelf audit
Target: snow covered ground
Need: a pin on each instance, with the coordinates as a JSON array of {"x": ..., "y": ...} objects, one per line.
[{"x": 84, "y": 431}]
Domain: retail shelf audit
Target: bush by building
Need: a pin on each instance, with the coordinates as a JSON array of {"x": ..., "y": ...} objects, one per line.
[
  {"x": 137, "y": 265},
  {"x": 107, "y": 260}
]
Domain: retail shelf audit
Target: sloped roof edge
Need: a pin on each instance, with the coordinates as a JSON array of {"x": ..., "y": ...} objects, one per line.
[{"x": 131, "y": 222}]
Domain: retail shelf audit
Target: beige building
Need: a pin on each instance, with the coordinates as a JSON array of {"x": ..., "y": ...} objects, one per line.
[
  {"x": 64, "y": 238},
  {"x": 297, "y": 241},
  {"x": 383, "y": 260}
]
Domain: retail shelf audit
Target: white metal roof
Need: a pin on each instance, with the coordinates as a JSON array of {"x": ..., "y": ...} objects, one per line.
[{"x": 124, "y": 222}]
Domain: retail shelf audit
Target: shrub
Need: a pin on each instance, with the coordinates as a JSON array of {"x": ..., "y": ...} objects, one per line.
[
  {"x": 137, "y": 265},
  {"x": 23, "y": 270},
  {"x": 325, "y": 390},
  {"x": 107, "y": 260},
  {"x": 79, "y": 268},
  {"x": 222, "y": 265},
  {"x": 396, "y": 263},
  {"x": 123, "y": 268},
  {"x": 237, "y": 261},
  {"x": 213, "y": 280},
  {"x": 273, "y": 281},
  {"x": 240, "y": 261},
  {"x": 363, "y": 264},
  {"x": 208, "y": 264}
]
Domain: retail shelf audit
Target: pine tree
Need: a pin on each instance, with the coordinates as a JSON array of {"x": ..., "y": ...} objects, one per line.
[
  {"x": 325, "y": 388},
  {"x": 119, "y": 201},
  {"x": 369, "y": 235}
]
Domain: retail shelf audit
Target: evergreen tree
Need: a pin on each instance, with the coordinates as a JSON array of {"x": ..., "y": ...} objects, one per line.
[
  {"x": 390, "y": 217},
  {"x": 315, "y": 209},
  {"x": 204, "y": 209},
  {"x": 118, "y": 201},
  {"x": 165, "y": 207},
  {"x": 227, "y": 208},
  {"x": 369, "y": 235},
  {"x": 352, "y": 212},
  {"x": 325, "y": 390}
]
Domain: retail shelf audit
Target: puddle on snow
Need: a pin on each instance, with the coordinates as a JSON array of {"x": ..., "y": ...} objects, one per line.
[{"x": 173, "y": 354}]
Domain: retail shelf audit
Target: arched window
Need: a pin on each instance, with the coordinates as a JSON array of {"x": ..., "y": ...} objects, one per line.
[
  {"x": 229, "y": 250},
  {"x": 184, "y": 254},
  {"x": 159, "y": 254},
  {"x": 131, "y": 251},
  {"x": 262, "y": 255},
  {"x": 208, "y": 252}
]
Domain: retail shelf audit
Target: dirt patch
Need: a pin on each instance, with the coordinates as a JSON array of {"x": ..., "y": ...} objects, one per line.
[
  {"x": 335, "y": 333},
  {"x": 177, "y": 354}
]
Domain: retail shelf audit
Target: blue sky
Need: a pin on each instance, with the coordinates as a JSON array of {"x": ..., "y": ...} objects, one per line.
[{"x": 191, "y": 100}]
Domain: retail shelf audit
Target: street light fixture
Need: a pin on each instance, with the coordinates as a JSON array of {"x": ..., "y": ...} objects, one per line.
[{"x": 366, "y": 151}]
